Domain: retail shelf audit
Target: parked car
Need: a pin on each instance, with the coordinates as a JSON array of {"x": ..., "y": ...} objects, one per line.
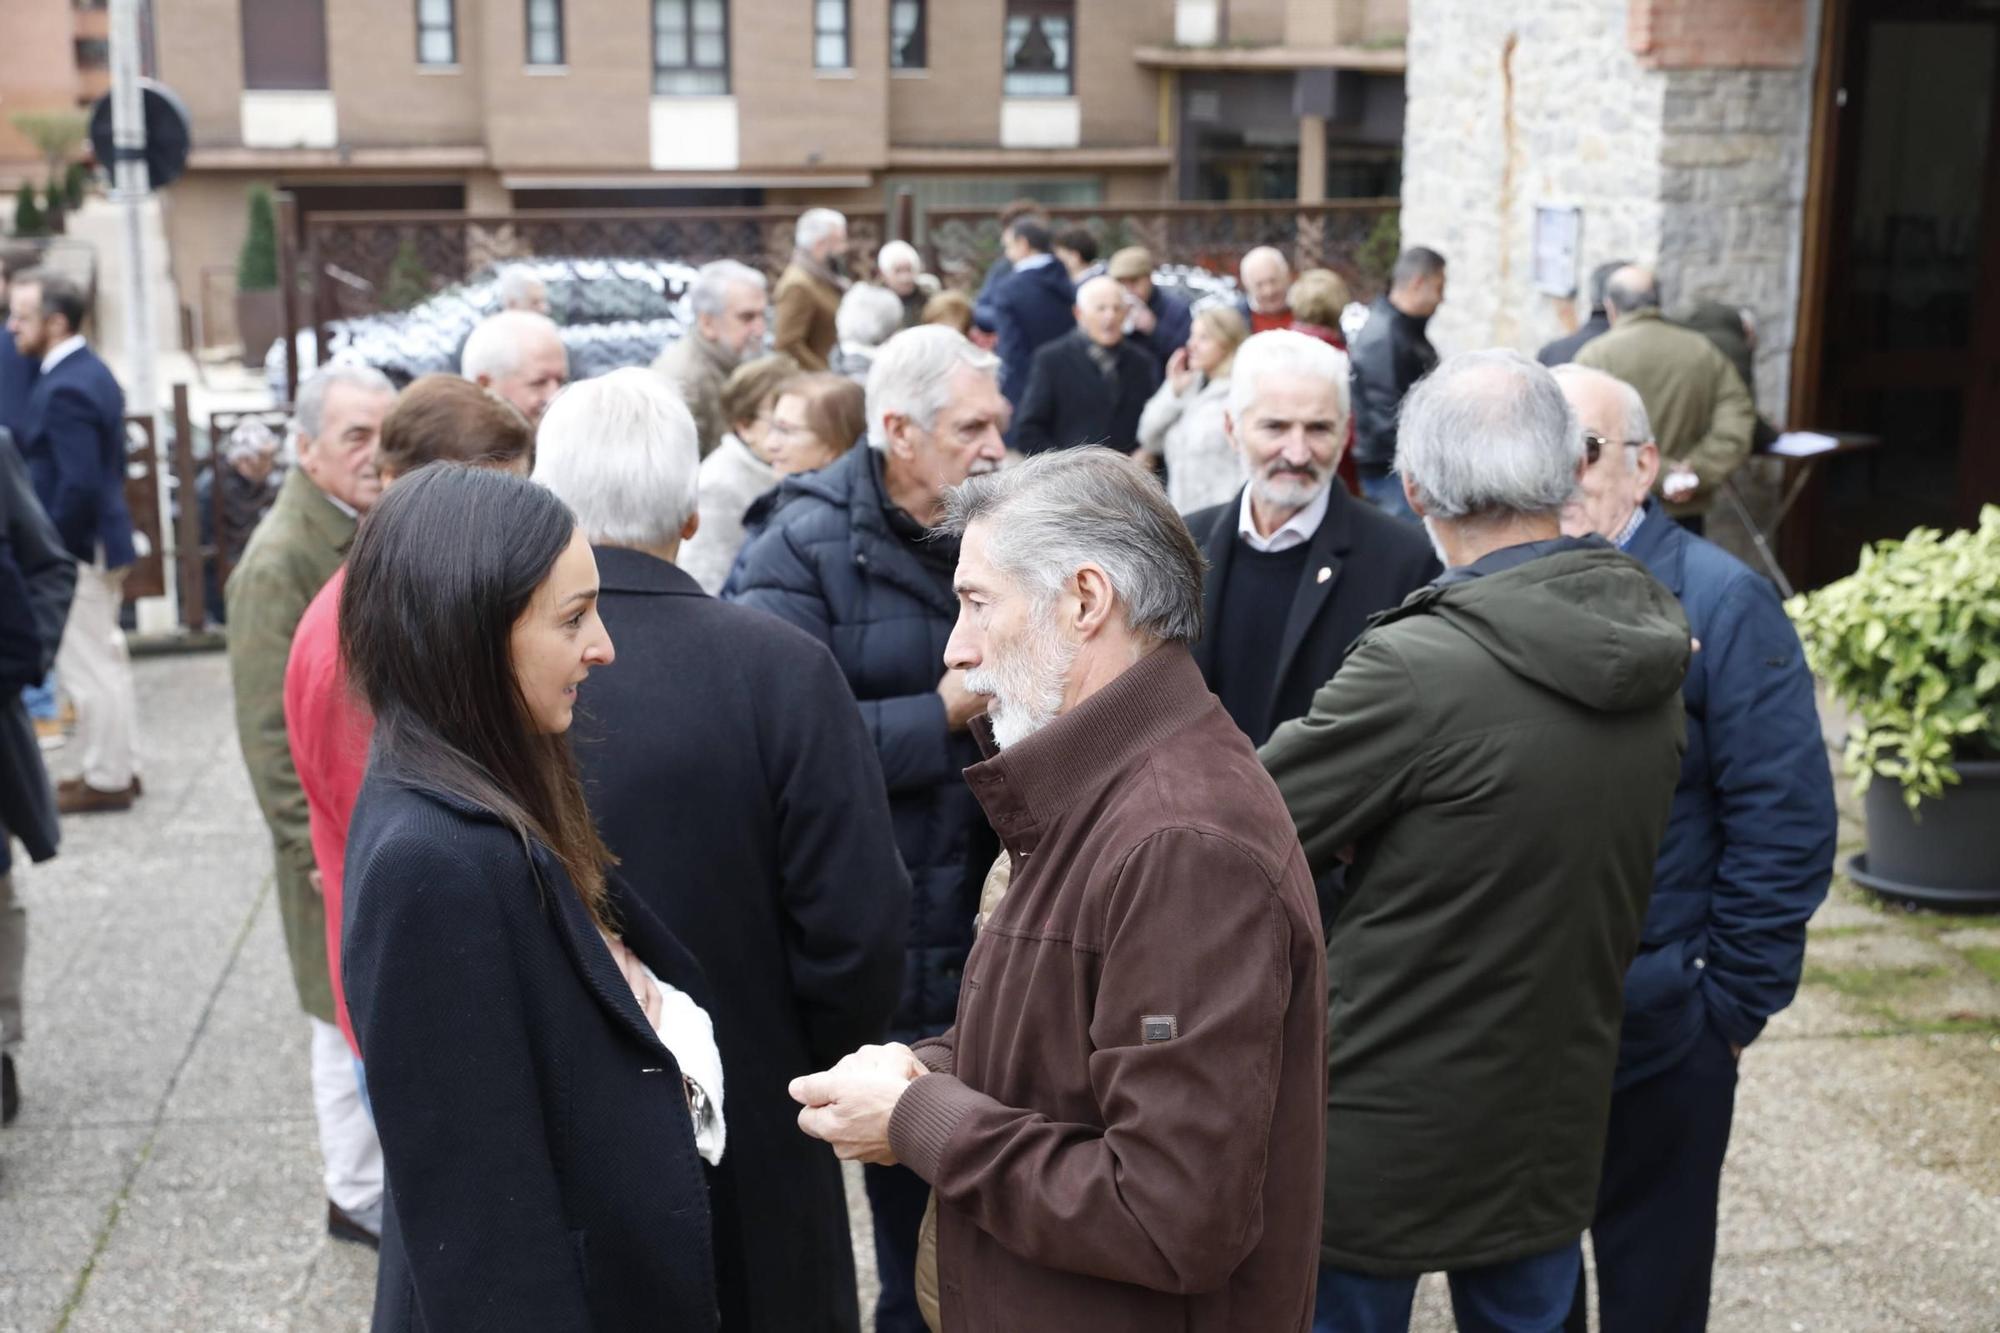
[{"x": 613, "y": 312}]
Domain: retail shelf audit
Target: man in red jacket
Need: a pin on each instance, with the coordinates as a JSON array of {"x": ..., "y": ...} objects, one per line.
[{"x": 1123, "y": 1128}]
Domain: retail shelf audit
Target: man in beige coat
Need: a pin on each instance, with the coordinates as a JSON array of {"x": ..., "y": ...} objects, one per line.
[
  {"x": 808, "y": 293},
  {"x": 728, "y": 300},
  {"x": 1701, "y": 412},
  {"x": 293, "y": 552}
]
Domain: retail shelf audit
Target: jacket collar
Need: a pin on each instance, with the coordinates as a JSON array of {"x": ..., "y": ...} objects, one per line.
[
  {"x": 878, "y": 547},
  {"x": 1061, "y": 767},
  {"x": 622, "y": 569},
  {"x": 319, "y": 514},
  {"x": 1660, "y": 545},
  {"x": 586, "y": 948}
]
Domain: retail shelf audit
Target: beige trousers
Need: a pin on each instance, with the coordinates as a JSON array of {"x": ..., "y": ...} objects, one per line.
[{"x": 95, "y": 672}]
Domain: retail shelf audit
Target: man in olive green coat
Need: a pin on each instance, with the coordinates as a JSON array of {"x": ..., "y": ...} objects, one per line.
[
  {"x": 1700, "y": 408},
  {"x": 292, "y": 553},
  {"x": 1496, "y": 756}
]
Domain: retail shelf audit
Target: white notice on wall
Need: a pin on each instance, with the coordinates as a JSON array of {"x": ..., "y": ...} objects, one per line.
[
  {"x": 1803, "y": 444},
  {"x": 1557, "y": 234}
]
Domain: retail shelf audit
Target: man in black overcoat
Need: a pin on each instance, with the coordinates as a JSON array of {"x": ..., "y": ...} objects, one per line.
[
  {"x": 1296, "y": 566},
  {"x": 37, "y": 578},
  {"x": 1090, "y": 386},
  {"x": 727, "y": 766}
]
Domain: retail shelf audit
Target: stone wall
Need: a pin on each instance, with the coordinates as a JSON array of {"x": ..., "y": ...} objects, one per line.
[
  {"x": 1511, "y": 104},
  {"x": 1699, "y": 171},
  {"x": 1732, "y": 186}
]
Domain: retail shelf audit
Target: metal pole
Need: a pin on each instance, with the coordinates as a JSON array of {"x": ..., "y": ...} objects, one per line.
[{"x": 129, "y": 189}]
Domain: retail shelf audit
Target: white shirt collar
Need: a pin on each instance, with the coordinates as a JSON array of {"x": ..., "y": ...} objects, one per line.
[
  {"x": 73, "y": 343},
  {"x": 341, "y": 505},
  {"x": 1296, "y": 530},
  {"x": 1034, "y": 261}
]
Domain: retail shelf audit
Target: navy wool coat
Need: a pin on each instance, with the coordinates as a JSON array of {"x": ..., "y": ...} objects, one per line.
[
  {"x": 828, "y": 561},
  {"x": 73, "y": 436},
  {"x": 1069, "y": 401},
  {"x": 537, "y": 1145},
  {"x": 729, "y": 769}
]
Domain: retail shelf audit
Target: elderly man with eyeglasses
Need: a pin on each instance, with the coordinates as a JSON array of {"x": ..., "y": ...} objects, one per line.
[{"x": 1745, "y": 862}]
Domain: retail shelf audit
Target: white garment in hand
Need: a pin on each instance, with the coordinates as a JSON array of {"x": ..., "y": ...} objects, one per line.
[{"x": 685, "y": 1030}]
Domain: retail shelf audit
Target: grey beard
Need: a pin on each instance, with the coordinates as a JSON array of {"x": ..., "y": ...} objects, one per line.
[
  {"x": 1025, "y": 683},
  {"x": 1288, "y": 492}
]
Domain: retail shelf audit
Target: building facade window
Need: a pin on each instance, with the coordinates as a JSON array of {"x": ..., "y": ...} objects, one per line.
[
  {"x": 1039, "y": 48},
  {"x": 908, "y": 35},
  {"x": 437, "y": 32},
  {"x": 690, "y": 48},
  {"x": 830, "y": 44},
  {"x": 545, "y": 32},
  {"x": 93, "y": 53}
]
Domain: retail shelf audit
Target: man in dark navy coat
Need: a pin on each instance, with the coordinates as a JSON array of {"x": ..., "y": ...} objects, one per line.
[
  {"x": 852, "y": 555},
  {"x": 1295, "y": 565},
  {"x": 17, "y": 372},
  {"x": 1745, "y": 862},
  {"x": 73, "y": 436},
  {"x": 727, "y": 765},
  {"x": 1088, "y": 387},
  {"x": 1030, "y": 306}
]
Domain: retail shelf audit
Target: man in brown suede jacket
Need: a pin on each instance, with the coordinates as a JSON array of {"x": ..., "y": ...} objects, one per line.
[{"x": 1124, "y": 1127}]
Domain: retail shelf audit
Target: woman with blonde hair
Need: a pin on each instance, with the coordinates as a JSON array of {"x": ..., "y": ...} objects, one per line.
[
  {"x": 738, "y": 470},
  {"x": 1183, "y": 424},
  {"x": 1317, "y": 297}
]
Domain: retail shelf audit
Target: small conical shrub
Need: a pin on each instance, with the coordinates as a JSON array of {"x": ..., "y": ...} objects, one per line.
[
  {"x": 28, "y": 219},
  {"x": 257, "y": 262}
]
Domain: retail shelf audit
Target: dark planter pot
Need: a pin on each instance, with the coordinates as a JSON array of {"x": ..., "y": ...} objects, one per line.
[
  {"x": 1947, "y": 856},
  {"x": 260, "y": 321}
]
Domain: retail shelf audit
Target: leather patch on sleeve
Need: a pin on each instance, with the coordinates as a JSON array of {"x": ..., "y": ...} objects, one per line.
[{"x": 1156, "y": 1028}]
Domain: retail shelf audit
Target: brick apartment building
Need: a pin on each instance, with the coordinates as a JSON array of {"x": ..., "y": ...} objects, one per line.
[
  {"x": 54, "y": 56},
  {"x": 487, "y": 105}
]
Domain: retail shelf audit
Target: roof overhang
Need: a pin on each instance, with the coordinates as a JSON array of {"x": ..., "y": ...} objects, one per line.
[{"x": 1360, "y": 59}]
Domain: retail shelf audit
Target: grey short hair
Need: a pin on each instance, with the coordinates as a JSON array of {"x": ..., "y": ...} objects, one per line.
[
  {"x": 1283, "y": 352},
  {"x": 868, "y": 315},
  {"x": 1061, "y": 510},
  {"x": 898, "y": 252},
  {"x": 494, "y": 349},
  {"x": 1634, "y": 423},
  {"x": 1632, "y": 288},
  {"x": 1489, "y": 434},
  {"x": 911, "y": 376},
  {"x": 710, "y": 292},
  {"x": 1262, "y": 252},
  {"x": 516, "y": 282},
  {"x": 621, "y": 451},
  {"x": 815, "y": 224},
  {"x": 309, "y": 413}
]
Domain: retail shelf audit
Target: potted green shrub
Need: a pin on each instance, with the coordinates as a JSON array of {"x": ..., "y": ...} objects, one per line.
[
  {"x": 1911, "y": 642},
  {"x": 260, "y": 316}
]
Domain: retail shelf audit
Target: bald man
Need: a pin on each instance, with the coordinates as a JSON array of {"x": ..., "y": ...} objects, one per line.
[
  {"x": 1089, "y": 386},
  {"x": 518, "y": 355},
  {"x": 1266, "y": 277}
]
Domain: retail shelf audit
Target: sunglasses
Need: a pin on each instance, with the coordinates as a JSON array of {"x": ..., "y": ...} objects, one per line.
[{"x": 1594, "y": 446}]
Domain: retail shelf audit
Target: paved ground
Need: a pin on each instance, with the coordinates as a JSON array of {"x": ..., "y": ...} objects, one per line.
[{"x": 163, "y": 1173}]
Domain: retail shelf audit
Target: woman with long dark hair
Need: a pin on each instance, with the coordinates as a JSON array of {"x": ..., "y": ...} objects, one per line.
[{"x": 544, "y": 1098}]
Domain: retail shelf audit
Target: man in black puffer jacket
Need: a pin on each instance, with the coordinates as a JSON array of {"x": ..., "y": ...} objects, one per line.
[{"x": 849, "y": 554}]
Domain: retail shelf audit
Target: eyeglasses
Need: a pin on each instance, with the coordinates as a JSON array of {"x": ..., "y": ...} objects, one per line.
[{"x": 1594, "y": 446}]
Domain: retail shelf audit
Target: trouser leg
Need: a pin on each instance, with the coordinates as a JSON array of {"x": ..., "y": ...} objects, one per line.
[
  {"x": 13, "y": 954},
  {"x": 896, "y": 1200},
  {"x": 97, "y": 673},
  {"x": 1529, "y": 1295},
  {"x": 1350, "y": 1302},
  {"x": 348, "y": 1146},
  {"x": 1654, "y": 1235}
]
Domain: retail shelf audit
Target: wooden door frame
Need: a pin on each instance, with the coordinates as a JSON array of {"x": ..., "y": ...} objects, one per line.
[{"x": 1817, "y": 218}]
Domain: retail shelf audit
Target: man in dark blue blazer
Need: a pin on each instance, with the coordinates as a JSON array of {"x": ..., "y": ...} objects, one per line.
[
  {"x": 1745, "y": 862},
  {"x": 73, "y": 436},
  {"x": 1090, "y": 387},
  {"x": 1030, "y": 306}
]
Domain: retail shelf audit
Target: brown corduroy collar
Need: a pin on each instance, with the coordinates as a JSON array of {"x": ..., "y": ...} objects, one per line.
[{"x": 1071, "y": 759}]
